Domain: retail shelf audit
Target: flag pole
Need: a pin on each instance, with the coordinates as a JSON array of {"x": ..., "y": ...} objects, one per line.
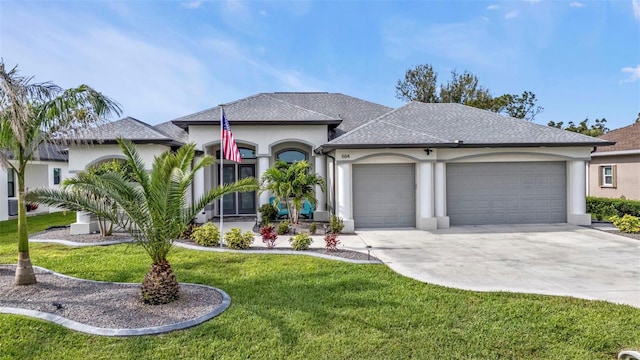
[{"x": 221, "y": 171}]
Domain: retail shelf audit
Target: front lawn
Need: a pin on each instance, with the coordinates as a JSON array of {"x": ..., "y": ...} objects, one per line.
[{"x": 307, "y": 308}]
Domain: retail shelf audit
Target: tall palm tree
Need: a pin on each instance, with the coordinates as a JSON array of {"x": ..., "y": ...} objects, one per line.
[
  {"x": 32, "y": 114},
  {"x": 292, "y": 183},
  {"x": 152, "y": 208}
]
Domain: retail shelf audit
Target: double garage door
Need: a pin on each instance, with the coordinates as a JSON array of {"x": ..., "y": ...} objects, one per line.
[
  {"x": 384, "y": 195},
  {"x": 506, "y": 193}
]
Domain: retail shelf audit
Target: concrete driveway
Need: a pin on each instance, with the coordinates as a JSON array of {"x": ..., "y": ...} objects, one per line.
[{"x": 541, "y": 259}]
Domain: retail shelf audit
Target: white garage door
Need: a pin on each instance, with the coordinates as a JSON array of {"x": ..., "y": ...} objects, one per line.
[
  {"x": 506, "y": 193},
  {"x": 384, "y": 196}
]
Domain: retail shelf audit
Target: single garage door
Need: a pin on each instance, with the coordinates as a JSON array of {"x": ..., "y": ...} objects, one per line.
[
  {"x": 506, "y": 193},
  {"x": 384, "y": 196}
]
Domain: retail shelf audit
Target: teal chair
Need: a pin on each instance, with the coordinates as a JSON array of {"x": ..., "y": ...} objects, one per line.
[{"x": 306, "y": 211}]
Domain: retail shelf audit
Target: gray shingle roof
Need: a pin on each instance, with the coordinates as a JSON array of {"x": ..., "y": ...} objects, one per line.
[
  {"x": 292, "y": 107},
  {"x": 128, "y": 128},
  {"x": 447, "y": 125},
  {"x": 353, "y": 111},
  {"x": 173, "y": 131},
  {"x": 260, "y": 108}
]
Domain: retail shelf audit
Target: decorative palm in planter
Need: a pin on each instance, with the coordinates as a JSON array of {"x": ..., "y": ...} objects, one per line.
[
  {"x": 293, "y": 184},
  {"x": 153, "y": 208}
]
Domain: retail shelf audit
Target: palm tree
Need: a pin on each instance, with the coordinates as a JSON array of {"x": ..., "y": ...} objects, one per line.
[
  {"x": 32, "y": 114},
  {"x": 292, "y": 183},
  {"x": 152, "y": 208}
]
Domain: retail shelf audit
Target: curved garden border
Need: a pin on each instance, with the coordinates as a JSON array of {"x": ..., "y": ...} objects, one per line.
[{"x": 74, "y": 325}]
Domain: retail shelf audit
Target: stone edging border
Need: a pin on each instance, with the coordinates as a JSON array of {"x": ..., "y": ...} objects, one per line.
[
  {"x": 214, "y": 249},
  {"x": 93, "y": 330}
]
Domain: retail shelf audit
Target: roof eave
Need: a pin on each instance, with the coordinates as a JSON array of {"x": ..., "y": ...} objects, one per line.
[
  {"x": 330, "y": 147},
  {"x": 184, "y": 124}
]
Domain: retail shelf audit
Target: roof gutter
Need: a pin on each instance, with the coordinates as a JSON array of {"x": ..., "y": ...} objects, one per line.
[
  {"x": 456, "y": 144},
  {"x": 614, "y": 153}
]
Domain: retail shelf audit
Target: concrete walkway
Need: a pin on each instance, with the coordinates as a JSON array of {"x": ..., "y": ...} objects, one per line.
[{"x": 542, "y": 259}]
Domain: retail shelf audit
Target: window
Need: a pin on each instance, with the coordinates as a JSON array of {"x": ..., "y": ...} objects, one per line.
[
  {"x": 291, "y": 156},
  {"x": 56, "y": 176},
  {"x": 246, "y": 153},
  {"x": 11, "y": 183},
  {"x": 608, "y": 176}
]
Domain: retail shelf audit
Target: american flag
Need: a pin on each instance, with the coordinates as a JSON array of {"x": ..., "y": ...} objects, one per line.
[{"x": 229, "y": 147}]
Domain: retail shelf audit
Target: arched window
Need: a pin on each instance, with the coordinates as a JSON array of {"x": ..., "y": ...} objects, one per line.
[
  {"x": 246, "y": 153},
  {"x": 290, "y": 156}
]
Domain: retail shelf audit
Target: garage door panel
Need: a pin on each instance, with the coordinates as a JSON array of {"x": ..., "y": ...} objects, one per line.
[
  {"x": 384, "y": 195},
  {"x": 506, "y": 193}
]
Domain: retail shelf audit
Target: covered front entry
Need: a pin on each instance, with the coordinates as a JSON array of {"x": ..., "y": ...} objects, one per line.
[
  {"x": 384, "y": 196},
  {"x": 239, "y": 203},
  {"x": 507, "y": 193}
]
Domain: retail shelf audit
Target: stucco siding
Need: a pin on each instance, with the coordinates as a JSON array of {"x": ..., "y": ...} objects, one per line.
[
  {"x": 627, "y": 176},
  {"x": 80, "y": 157}
]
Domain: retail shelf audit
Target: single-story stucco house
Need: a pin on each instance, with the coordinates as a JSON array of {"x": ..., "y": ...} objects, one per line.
[
  {"x": 614, "y": 171},
  {"x": 49, "y": 170},
  {"x": 424, "y": 166}
]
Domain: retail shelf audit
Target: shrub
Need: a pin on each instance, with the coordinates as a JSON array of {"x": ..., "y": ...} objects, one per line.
[
  {"x": 269, "y": 235},
  {"x": 283, "y": 227},
  {"x": 627, "y": 224},
  {"x": 603, "y": 208},
  {"x": 268, "y": 213},
  {"x": 206, "y": 235},
  {"x": 331, "y": 242},
  {"x": 335, "y": 224},
  {"x": 300, "y": 241},
  {"x": 313, "y": 228},
  {"x": 188, "y": 231},
  {"x": 237, "y": 240}
]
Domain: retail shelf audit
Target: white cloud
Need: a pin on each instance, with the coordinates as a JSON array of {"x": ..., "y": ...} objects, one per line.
[
  {"x": 512, "y": 14},
  {"x": 635, "y": 4},
  {"x": 576, "y": 4},
  {"x": 634, "y": 73},
  {"x": 195, "y": 4},
  {"x": 493, "y": 7}
]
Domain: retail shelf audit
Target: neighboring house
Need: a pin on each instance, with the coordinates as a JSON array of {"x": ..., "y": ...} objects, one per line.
[
  {"x": 425, "y": 166},
  {"x": 614, "y": 171},
  {"x": 49, "y": 171}
]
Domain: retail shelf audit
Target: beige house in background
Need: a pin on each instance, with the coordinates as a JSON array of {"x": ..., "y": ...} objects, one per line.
[{"x": 614, "y": 171}]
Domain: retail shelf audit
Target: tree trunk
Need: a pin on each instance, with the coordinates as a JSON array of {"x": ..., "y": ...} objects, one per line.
[
  {"x": 160, "y": 285},
  {"x": 24, "y": 271}
]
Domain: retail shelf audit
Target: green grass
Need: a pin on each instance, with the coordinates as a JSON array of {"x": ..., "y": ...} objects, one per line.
[{"x": 306, "y": 308}]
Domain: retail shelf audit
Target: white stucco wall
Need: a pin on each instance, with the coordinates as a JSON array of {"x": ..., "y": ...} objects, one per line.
[
  {"x": 80, "y": 157},
  {"x": 431, "y": 201},
  {"x": 263, "y": 137}
]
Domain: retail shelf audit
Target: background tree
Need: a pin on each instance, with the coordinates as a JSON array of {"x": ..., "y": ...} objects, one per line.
[
  {"x": 153, "y": 208},
  {"x": 583, "y": 127},
  {"x": 421, "y": 84},
  {"x": 293, "y": 184},
  {"x": 35, "y": 113}
]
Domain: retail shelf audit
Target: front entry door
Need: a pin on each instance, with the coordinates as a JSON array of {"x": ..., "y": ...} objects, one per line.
[{"x": 239, "y": 203}]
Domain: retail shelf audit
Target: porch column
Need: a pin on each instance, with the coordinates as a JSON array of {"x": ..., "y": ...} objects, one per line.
[
  {"x": 197, "y": 191},
  {"x": 440, "y": 195},
  {"x": 321, "y": 213},
  {"x": 263, "y": 165},
  {"x": 83, "y": 224},
  {"x": 344, "y": 209},
  {"x": 577, "y": 194},
  {"x": 4, "y": 199},
  {"x": 426, "y": 218}
]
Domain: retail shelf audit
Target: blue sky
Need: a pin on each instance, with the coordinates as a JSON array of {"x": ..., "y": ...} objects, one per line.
[{"x": 162, "y": 60}]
